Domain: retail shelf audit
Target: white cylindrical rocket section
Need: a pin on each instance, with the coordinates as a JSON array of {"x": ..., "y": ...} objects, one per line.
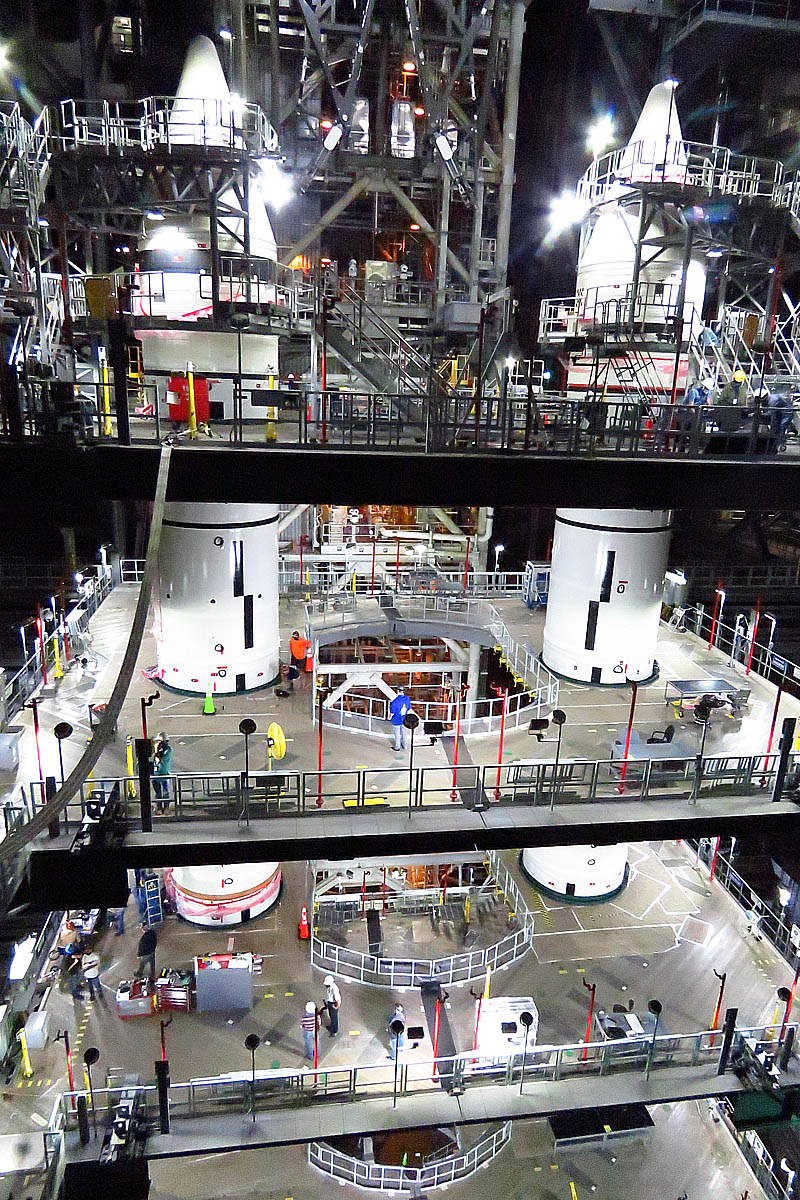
[
  {"x": 216, "y": 599},
  {"x": 223, "y": 895},
  {"x": 606, "y": 584},
  {"x": 578, "y": 872}
]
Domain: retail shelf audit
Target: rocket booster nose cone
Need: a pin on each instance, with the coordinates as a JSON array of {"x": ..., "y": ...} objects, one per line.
[
  {"x": 203, "y": 112},
  {"x": 658, "y": 119},
  {"x": 202, "y": 74}
]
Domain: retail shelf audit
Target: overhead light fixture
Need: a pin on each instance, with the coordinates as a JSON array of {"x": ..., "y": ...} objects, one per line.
[
  {"x": 326, "y": 123},
  {"x": 414, "y": 227},
  {"x": 784, "y": 896},
  {"x": 671, "y": 83},
  {"x": 3, "y": 57},
  {"x": 226, "y": 35},
  {"x": 154, "y": 214},
  {"x": 714, "y": 252},
  {"x": 43, "y": 221},
  {"x": 325, "y": 261},
  {"x": 334, "y": 136},
  {"x": 443, "y": 146},
  {"x": 419, "y": 111},
  {"x": 409, "y": 66}
]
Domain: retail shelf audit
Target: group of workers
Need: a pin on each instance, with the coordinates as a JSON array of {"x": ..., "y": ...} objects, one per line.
[{"x": 734, "y": 401}]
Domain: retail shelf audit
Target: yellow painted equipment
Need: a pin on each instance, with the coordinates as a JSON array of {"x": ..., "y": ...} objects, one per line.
[{"x": 276, "y": 744}]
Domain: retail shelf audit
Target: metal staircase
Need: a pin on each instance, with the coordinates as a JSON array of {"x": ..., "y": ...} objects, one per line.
[{"x": 377, "y": 350}]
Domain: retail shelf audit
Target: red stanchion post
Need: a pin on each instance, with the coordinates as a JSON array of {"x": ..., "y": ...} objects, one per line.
[
  {"x": 634, "y": 689},
  {"x": 714, "y": 861},
  {"x": 721, "y": 977}
]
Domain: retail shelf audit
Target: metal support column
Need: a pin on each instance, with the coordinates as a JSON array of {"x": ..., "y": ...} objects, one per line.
[
  {"x": 441, "y": 243},
  {"x": 509, "y": 137},
  {"x": 275, "y": 65}
]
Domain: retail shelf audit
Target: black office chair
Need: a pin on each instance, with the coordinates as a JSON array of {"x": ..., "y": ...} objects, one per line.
[{"x": 660, "y": 736}]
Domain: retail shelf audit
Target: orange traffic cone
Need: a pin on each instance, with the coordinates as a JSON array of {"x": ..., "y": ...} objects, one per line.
[{"x": 303, "y": 931}]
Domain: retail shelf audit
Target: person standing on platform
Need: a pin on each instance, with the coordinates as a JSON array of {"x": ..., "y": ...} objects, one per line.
[
  {"x": 162, "y": 769},
  {"x": 397, "y": 710},
  {"x": 91, "y": 973},
  {"x": 333, "y": 1002},
  {"x": 299, "y": 648},
  {"x": 310, "y": 1024},
  {"x": 147, "y": 952},
  {"x": 73, "y": 969}
]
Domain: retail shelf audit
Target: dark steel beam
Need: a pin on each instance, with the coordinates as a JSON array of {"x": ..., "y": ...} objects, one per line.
[
  {"x": 339, "y": 835},
  {"x": 56, "y": 478}
]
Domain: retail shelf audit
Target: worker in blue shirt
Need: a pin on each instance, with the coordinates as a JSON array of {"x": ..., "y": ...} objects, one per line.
[{"x": 397, "y": 711}]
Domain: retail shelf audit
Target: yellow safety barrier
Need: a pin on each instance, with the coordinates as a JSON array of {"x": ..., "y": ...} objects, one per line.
[
  {"x": 192, "y": 409},
  {"x": 130, "y": 770},
  {"x": 27, "y": 1069},
  {"x": 270, "y": 432},
  {"x": 57, "y": 671},
  {"x": 466, "y": 910},
  {"x": 488, "y": 980},
  {"x": 107, "y": 427}
]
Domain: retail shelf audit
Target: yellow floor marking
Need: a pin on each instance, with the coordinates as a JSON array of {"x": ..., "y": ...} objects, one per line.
[
  {"x": 288, "y": 993},
  {"x": 269, "y": 995},
  {"x": 553, "y": 1166},
  {"x": 353, "y": 1032},
  {"x": 48, "y": 1082},
  {"x": 20, "y": 1083},
  {"x": 562, "y": 970}
]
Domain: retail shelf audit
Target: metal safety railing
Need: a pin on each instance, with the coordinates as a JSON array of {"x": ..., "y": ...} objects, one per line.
[
  {"x": 163, "y": 122},
  {"x": 453, "y": 1166},
  {"x": 386, "y": 970},
  {"x": 538, "y": 687},
  {"x": 275, "y": 1090},
  {"x": 225, "y": 796},
  {"x": 390, "y": 972},
  {"x": 681, "y": 163},
  {"x": 96, "y": 584}
]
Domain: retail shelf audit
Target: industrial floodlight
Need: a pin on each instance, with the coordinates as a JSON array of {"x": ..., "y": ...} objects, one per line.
[{"x": 600, "y": 135}]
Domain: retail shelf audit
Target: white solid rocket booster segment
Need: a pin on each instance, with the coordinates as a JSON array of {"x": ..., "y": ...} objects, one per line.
[
  {"x": 578, "y": 872},
  {"x": 606, "y": 584},
  {"x": 223, "y": 895},
  {"x": 216, "y": 599}
]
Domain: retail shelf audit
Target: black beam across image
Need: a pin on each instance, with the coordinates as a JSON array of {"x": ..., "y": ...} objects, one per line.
[
  {"x": 346, "y": 835},
  {"x": 64, "y": 475}
]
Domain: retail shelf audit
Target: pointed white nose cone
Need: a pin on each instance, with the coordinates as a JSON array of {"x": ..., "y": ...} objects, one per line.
[
  {"x": 202, "y": 114},
  {"x": 262, "y": 239},
  {"x": 656, "y": 152}
]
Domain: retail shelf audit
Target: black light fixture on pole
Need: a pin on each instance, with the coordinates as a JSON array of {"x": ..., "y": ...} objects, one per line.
[
  {"x": 247, "y": 726},
  {"x": 397, "y": 1027},
  {"x": 655, "y": 1008},
  {"x": 526, "y": 1019},
  {"x": 252, "y": 1042},
  {"x": 558, "y": 718},
  {"x": 411, "y": 721},
  {"x": 62, "y": 731},
  {"x": 90, "y": 1057}
]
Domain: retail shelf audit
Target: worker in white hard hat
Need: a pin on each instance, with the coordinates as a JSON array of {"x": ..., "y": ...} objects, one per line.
[{"x": 333, "y": 1002}]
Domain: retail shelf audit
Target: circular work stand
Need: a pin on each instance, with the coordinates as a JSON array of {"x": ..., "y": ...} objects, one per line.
[
  {"x": 215, "y": 896},
  {"x": 408, "y": 1160}
]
